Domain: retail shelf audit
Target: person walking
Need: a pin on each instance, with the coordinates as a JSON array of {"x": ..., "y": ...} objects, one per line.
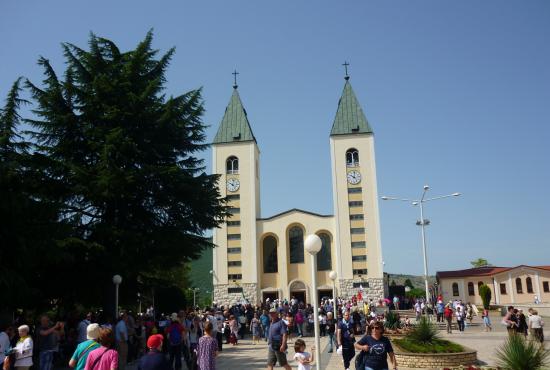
[
  {"x": 82, "y": 328},
  {"x": 522, "y": 323},
  {"x": 49, "y": 338},
  {"x": 255, "y": 328},
  {"x": 486, "y": 320},
  {"x": 264, "y": 319},
  {"x": 346, "y": 339},
  {"x": 535, "y": 326},
  {"x": 377, "y": 348},
  {"x": 104, "y": 357},
  {"x": 207, "y": 349},
  {"x": 448, "y": 313},
  {"x": 4, "y": 345},
  {"x": 511, "y": 321},
  {"x": 460, "y": 315},
  {"x": 331, "y": 330},
  {"x": 121, "y": 336},
  {"x": 174, "y": 332},
  {"x": 23, "y": 349},
  {"x": 276, "y": 342},
  {"x": 154, "y": 359},
  {"x": 80, "y": 355}
]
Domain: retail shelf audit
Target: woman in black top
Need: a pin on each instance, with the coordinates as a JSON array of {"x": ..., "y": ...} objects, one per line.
[
  {"x": 376, "y": 349},
  {"x": 331, "y": 330}
]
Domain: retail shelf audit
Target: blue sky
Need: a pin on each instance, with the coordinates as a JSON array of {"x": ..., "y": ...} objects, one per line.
[{"x": 458, "y": 94}]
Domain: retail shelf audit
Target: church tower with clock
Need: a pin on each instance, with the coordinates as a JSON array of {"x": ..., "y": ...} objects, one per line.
[{"x": 259, "y": 258}]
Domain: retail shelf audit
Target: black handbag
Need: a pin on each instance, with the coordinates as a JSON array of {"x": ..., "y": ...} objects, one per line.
[{"x": 360, "y": 361}]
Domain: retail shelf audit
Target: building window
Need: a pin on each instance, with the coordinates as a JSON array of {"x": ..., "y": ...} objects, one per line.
[
  {"x": 357, "y": 217},
  {"x": 324, "y": 258},
  {"x": 352, "y": 157},
  {"x": 234, "y": 250},
  {"x": 233, "y": 236},
  {"x": 455, "y": 290},
  {"x": 357, "y": 230},
  {"x": 235, "y": 277},
  {"x": 519, "y": 287},
  {"x": 233, "y": 263},
  {"x": 359, "y": 271},
  {"x": 471, "y": 289},
  {"x": 233, "y": 197},
  {"x": 545, "y": 287},
  {"x": 270, "y": 254},
  {"x": 296, "y": 244},
  {"x": 502, "y": 288},
  {"x": 235, "y": 290},
  {"x": 355, "y": 203},
  {"x": 233, "y": 223},
  {"x": 529, "y": 285},
  {"x": 232, "y": 165},
  {"x": 355, "y": 190},
  {"x": 234, "y": 210},
  {"x": 359, "y": 258},
  {"x": 358, "y": 244},
  {"x": 361, "y": 285}
]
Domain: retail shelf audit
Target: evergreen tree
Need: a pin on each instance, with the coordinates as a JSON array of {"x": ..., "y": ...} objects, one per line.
[{"x": 119, "y": 161}]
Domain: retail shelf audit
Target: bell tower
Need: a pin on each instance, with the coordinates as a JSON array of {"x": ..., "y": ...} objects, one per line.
[
  {"x": 357, "y": 224},
  {"x": 236, "y": 159}
]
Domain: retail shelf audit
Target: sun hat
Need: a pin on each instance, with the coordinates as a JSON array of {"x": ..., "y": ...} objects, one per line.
[
  {"x": 273, "y": 310},
  {"x": 154, "y": 341},
  {"x": 92, "y": 331}
]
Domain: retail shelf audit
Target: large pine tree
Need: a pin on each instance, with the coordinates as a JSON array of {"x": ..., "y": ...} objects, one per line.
[{"x": 119, "y": 160}]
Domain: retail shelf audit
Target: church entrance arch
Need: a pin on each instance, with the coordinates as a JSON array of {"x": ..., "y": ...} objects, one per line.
[{"x": 298, "y": 290}]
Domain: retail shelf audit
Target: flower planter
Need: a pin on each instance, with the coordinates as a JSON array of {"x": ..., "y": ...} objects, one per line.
[{"x": 435, "y": 360}]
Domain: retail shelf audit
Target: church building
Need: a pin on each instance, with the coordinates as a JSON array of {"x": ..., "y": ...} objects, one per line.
[{"x": 264, "y": 257}]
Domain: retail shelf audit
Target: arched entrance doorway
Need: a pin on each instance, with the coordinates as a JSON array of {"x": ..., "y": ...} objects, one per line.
[{"x": 298, "y": 290}]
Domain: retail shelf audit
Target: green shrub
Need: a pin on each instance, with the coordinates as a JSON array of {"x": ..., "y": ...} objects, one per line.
[
  {"x": 435, "y": 346},
  {"x": 423, "y": 332},
  {"x": 392, "y": 321},
  {"x": 485, "y": 293},
  {"x": 517, "y": 353}
]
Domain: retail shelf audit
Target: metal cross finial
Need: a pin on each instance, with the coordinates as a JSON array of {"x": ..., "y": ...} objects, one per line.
[
  {"x": 346, "y": 64},
  {"x": 235, "y": 79}
]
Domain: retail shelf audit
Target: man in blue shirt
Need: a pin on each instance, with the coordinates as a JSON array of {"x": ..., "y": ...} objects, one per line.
[{"x": 276, "y": 342}]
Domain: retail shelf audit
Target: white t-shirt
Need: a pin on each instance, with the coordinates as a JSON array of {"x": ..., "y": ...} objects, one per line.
[
  {"x": 535, "y": 322},
  {"x": 302, "y": 356},
  {"x": 4, "y": 345},
  {"x": 23, "y": 356}
]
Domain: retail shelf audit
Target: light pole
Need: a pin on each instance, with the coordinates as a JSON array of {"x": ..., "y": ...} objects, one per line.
[
  {"x": 422, "y": 223},
  {"x": 332, "y": 275},
  {"x": 117, "y": 279},
  {"x": 313, "y": 245},
  {"x": 214, "y": 276},
  {"x": 194, "y": 296}
]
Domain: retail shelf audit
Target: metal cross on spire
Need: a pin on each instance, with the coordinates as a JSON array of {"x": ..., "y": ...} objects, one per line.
[
  {"x": 235, "y": 73},
  {"x": 346, "y": 64}
]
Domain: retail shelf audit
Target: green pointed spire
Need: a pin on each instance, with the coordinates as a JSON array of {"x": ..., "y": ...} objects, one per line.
[
  {"x": 350, "y": 118},
  {"x": 235, "y": 126}
]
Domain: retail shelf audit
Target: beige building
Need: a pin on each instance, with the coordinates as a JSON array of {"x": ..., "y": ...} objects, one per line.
[
  {"x": 259, "y": 257},
  {"x": 509, "y": 285}
]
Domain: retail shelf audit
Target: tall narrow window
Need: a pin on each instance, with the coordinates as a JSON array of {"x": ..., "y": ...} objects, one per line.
[
  {"x": 270, "y": 254},
  {"x": 232, "y": 165},
  {"x": 545, "y": 287},
  {"x": 519, "y": 287},
  {"x": 352, "y": 157},
  {"x": 455, "y": 290},
  {"x": 296, "y": 245},
  {"x": 529, "y": 285},
  {"x": 471, "y": 289},
  {"x": 324, "y": 258},
  {"x": 502, "y": 288}
]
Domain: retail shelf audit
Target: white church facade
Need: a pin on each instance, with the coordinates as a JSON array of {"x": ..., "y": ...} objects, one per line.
[{"x": 258, "y": 258}]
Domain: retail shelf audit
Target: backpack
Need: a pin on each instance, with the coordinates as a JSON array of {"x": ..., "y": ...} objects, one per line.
[
  {"x": 448, "y": 313},
  {"x": 175, "y": 334}
]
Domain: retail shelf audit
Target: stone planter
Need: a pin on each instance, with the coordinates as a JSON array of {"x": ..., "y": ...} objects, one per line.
[{"x": 434, "y": 360}]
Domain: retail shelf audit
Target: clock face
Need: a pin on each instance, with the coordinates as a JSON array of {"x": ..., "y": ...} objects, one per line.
[
  {"x": 354, "y": 177},
  {"x": 233, "y": 184}
]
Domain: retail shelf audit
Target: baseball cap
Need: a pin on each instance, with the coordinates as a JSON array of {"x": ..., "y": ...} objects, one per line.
[
  {"x": 154, "y": 341},
  {"x": 92, "y": 331}
]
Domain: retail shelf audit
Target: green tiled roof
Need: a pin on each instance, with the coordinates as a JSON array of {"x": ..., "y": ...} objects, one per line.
[
  {"x": 235, "y": 126},
  {"x": 350, "y": 118}
]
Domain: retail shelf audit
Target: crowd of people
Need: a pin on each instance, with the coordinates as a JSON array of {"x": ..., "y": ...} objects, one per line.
[{"x": 197, "y": 336}]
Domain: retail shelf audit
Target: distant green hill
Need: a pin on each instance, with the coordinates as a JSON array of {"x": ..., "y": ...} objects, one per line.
[
  {"x": 417, "y": 281},
  {"x": 200, "y": 277}
]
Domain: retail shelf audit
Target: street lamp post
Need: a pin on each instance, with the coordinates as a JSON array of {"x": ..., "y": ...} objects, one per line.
[
  {"x": 117, "y": 279},
  {"x": 332, "y": 275},
  {"x": 194, "y": 296},
  {"x": 313, "y": 245},
  {"x": 422, "y": 223},
  {"x": 214, "y": 276}
]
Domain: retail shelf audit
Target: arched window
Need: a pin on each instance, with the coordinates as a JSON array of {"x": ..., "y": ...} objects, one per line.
[
  {"x": 519, "y": 288},
  {"x": 529, "y": 285},
  {"x": 270, "y": 254},
  {"x": 324, "y": 260},
  {"x": 471, "y": 289},
  {"x": 232, "y": 165},
  {"x": 455, "y": 290},
  {"x": 296, "y": 245},
  {"x": 352, "y": 157}
]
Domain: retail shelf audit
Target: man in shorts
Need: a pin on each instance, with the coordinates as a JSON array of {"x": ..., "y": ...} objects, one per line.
[{"x": 276, "y": 342}]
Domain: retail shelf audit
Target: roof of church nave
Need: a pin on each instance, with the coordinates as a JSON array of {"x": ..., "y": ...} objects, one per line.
[{"x": 291, "y": 211}]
